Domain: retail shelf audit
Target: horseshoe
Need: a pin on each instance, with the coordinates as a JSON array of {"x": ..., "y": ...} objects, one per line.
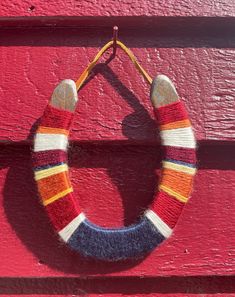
[{"x": 158, "y": 221}]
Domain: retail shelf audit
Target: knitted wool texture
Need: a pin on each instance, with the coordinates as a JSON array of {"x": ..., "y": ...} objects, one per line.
[{"x": 157, "y": 223}]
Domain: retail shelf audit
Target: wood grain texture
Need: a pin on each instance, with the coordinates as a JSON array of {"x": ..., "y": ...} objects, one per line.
[
  {"x": 202, "y": 70},
  {"x": 113, "y": 8},
  {"x": 114, "y": 185}
]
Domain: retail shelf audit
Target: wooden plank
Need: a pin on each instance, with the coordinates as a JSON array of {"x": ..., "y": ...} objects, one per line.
[
  {"x": 113, "y": 188},
  {"x": 114, "y": 106},
  {"x": 112, "y": 8}
]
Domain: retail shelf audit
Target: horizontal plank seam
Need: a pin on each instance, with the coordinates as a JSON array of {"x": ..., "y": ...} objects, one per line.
[
  {"x": 203, "y": 142},
  {"x": 124, "y": 285},
  {"x": 108, "y": 21}
]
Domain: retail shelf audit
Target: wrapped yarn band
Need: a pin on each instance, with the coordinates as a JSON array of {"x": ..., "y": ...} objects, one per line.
[{"x": 154, "y": 226}]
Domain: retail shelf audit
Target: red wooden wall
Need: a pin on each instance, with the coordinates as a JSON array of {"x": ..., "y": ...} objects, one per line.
[{"x": 114, "y": 155}]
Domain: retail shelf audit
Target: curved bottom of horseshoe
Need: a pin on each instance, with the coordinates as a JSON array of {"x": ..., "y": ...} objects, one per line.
[{"x": 115, "y": 244}]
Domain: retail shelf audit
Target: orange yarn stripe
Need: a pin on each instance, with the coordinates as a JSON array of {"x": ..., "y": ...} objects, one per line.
[
  {"x": 52, "y": 185},
  {"x": 177, "y": 181},
  {"x": 49, "y": 130},
  {"x": 175, "y": 125}
]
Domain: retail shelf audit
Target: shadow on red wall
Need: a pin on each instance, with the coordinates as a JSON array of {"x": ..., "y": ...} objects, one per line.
[{"x": 131, "y": 168}]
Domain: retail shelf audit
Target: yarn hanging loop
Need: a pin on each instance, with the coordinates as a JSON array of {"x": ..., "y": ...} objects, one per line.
[{"x": 113, "y": 43}]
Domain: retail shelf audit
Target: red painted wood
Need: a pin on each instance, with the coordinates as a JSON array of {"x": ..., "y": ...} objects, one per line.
[
  {"x": 114, "y": 153},
  {"x": 114, "y": 184},
  {"x": 34, "y": 61},
  {"x": 113, "y": 8}
]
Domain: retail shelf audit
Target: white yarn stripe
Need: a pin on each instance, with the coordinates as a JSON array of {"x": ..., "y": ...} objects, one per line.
[
  {"x": 181, "y": 137},
  {"x": 68, "y": 230},
  {"x": 47, "y": 142},
  {"x": 161, "y": 226}
]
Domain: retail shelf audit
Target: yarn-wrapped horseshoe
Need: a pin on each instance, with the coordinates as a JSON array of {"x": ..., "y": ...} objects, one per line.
[{"x": 54, "y": 186}]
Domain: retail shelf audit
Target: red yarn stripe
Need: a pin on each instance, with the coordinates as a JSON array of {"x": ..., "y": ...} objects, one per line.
[
  {"x": 170, "y": 113},
  {"x": 62, "y": 211},
  {"x": 51, "y": 157},
  {"x": 187, "y": 155},
  {"x": 56, "y": 118},
  {"x": 167, "y": 208}
]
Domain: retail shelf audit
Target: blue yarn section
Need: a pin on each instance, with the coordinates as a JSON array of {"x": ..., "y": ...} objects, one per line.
[
  {"x": 181, "y": 163},
  {"x": 115, "y": 244},
  {"x": 48, "y": 166}
]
